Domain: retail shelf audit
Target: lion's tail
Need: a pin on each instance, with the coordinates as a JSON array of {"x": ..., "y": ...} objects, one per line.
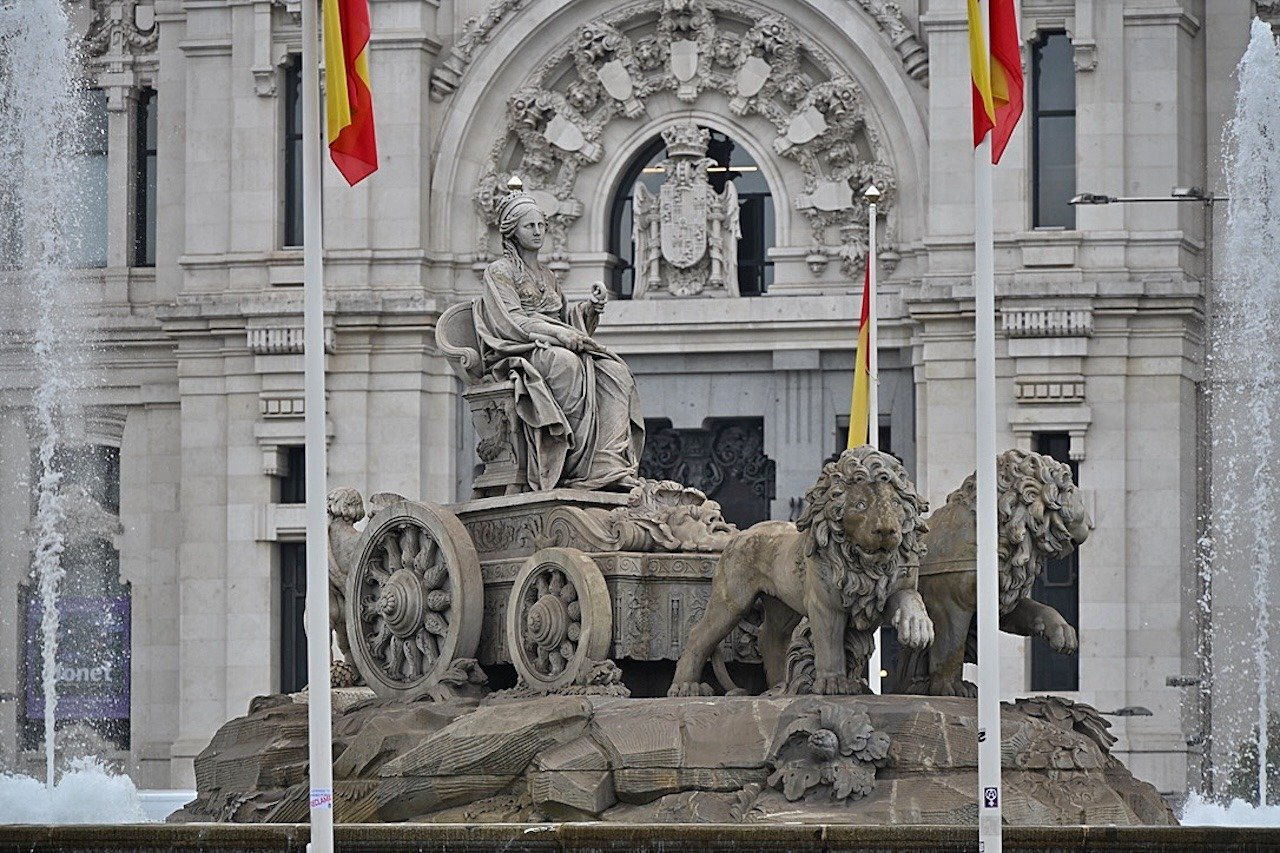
[{"x": 727, "y": 683}]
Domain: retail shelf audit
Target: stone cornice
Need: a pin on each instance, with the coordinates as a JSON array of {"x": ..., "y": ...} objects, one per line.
[{"x": 1165, "y": 16}]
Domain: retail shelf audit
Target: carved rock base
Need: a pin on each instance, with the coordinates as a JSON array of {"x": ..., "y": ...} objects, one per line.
[{"x": 672, "y": 760}]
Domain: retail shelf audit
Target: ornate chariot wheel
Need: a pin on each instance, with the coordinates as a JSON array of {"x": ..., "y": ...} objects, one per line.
[
  {"x": 415, "y": 601},
  {"x": 559, "y": 618}
]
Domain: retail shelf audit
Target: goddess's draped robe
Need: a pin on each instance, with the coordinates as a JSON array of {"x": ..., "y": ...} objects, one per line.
[{"x": 579, "y": 410}]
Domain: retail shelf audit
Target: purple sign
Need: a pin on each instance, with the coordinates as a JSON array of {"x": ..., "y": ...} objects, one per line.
[{"x": 93, "y": 658}]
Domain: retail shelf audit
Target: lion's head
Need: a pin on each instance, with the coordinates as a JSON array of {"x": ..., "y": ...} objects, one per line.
[
  {"x": 1042, "y": 516},
  {"x": 864, "y": 521}
]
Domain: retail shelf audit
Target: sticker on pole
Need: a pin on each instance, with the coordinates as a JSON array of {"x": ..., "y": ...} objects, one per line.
[
  {"x": 990, "y": 797},
  {"x": 321, "y": 798}
]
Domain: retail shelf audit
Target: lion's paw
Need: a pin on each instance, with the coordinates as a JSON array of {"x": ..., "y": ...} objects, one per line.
[
  {"x": 690, "y": 688},
  {"x": 958, "y": 687},
  {"x": 836, "y": 684},
  {"x": 1062, "y": 638}
]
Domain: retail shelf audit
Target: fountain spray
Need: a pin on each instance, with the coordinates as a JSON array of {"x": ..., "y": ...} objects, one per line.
[
  {"x": 41, "y": 123},
  {"x": 1246, "y": 421}
]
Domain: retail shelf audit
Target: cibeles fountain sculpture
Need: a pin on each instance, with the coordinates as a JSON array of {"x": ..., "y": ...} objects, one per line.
[{"x": 586, "y": 580}]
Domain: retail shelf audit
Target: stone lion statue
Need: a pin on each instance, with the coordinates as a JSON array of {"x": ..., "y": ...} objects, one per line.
[
  {"x": 848, "y": 564},
  {"x": 1041, "y": 517}
]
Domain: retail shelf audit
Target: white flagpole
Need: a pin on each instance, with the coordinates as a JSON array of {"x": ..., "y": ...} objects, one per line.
[
  {"x": 989, "y": 790},
  {"x": 872, "y": 195},
  {"x": 320, "y": 731}
]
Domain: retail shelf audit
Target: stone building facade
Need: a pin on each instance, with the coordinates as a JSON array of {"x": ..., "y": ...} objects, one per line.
[{"x": 198, "y": 388}]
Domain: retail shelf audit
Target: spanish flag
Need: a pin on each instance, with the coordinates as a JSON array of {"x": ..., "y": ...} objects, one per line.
[
  {"x": 997, "y": 75},
  {"x": 861, "y": 403},
  {"x": 348, "y": 98}
]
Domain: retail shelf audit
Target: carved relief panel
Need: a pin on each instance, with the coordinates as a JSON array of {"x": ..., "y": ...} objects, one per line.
[
  {"x": 726, "y": 460},
  {"x": 688, "y": 48}
]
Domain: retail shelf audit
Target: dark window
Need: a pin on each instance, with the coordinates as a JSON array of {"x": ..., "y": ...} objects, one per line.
[
  {"x": 89, "y": 249},
  {"x": 756, "y": 217},
  {"x": 293, "y": 152},
  {"x": 293, "y": 602},
  {"x": 144, "y": 223},
  {"x": 1053, "y": 105},
  {"x": 1059, "y": 587},
  {"x": 725, "y": 460},
  {"x": 293, "y": 485}
]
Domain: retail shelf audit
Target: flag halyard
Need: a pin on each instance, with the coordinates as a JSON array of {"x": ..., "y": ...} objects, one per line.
[{"x": 348, "y": 96}]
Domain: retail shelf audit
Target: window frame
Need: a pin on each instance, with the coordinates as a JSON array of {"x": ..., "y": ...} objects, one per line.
[
  {"x": 620, "y": 207},
  {"x": 291, "y": 139},
  {"x": 145, "y": 180},
  {"x": 1039, "y": 113}
]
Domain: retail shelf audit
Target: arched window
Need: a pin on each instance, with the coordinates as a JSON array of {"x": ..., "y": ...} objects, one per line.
[{"x": 733, "y": 163}]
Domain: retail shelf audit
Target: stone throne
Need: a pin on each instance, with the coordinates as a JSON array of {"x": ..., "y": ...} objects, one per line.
[{"x": 500, "y": 443}]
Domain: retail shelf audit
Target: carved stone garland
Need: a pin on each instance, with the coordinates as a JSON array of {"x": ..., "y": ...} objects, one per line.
[
  {"x": 762, "y": 63},
  {"x": 478, "y": 30}
]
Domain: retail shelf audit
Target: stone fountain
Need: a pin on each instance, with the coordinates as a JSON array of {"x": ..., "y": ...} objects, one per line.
[{"x": 590, "y": 595}]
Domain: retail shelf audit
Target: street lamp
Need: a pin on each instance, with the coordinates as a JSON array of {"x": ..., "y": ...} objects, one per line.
[{"x": 1204, "y": 467}]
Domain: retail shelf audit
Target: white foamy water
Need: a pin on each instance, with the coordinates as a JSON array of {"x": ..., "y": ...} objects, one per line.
[
  {"x": 1198, "y": 812},
  {"x": 86, "y": 793}
]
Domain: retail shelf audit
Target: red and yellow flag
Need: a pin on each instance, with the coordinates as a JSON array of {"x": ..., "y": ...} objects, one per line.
[
  {"x": 997, "y": 75},
  {"x": 348, "y": 98},
  {"x": 859, "y": 407}
]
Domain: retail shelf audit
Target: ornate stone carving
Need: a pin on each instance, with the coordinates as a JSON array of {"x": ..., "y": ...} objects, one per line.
[
  {"x": 414, "y": 599},
  {"x": 1069, "y": 716},
  {"x": 915, "y": 57},
  {"x": 767, "y": 53},
  {"x": 832, "y": 746},
  {"x": 688, "y": 30},
  {"x": 686, "y": 238},
  {"x": 843, "y": 570},
  {"x": 476, "y": 31},
  {"x": 706, "y": 459},
  {"x": 660, "y": 516},
  {"x": 688, "y": 47},
  {"x": 121, "y": 27},
  {"x": 1269, "y": 11},
  {"x": 604, "y": 58},
  {"x": 1042, "y": 516},
  {"x": 345, "y": 509}
]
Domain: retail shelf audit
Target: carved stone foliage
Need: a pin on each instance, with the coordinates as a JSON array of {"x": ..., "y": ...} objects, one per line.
[
  {"x": 828, "y": 746},
  {"x": 687, "y": 48},
  {"x": 661, "y": 515}
]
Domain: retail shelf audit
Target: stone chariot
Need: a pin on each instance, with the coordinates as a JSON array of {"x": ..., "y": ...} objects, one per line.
[{"x": 559, "y": 583}]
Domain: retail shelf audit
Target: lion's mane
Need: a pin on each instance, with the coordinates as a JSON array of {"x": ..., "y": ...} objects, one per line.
[
  {"x": 1038, "y": 504},
  {"x": 864, "y": 584}
]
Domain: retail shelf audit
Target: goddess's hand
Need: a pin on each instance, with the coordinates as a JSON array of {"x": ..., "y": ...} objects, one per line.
[{"x": 599, "y": 296}]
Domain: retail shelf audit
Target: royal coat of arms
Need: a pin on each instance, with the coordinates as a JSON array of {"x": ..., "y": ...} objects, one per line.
[{"x": 686, "y": 237}]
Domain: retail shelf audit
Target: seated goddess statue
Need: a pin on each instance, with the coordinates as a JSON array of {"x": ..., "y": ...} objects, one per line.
[{"x": 575, "y": 399}]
